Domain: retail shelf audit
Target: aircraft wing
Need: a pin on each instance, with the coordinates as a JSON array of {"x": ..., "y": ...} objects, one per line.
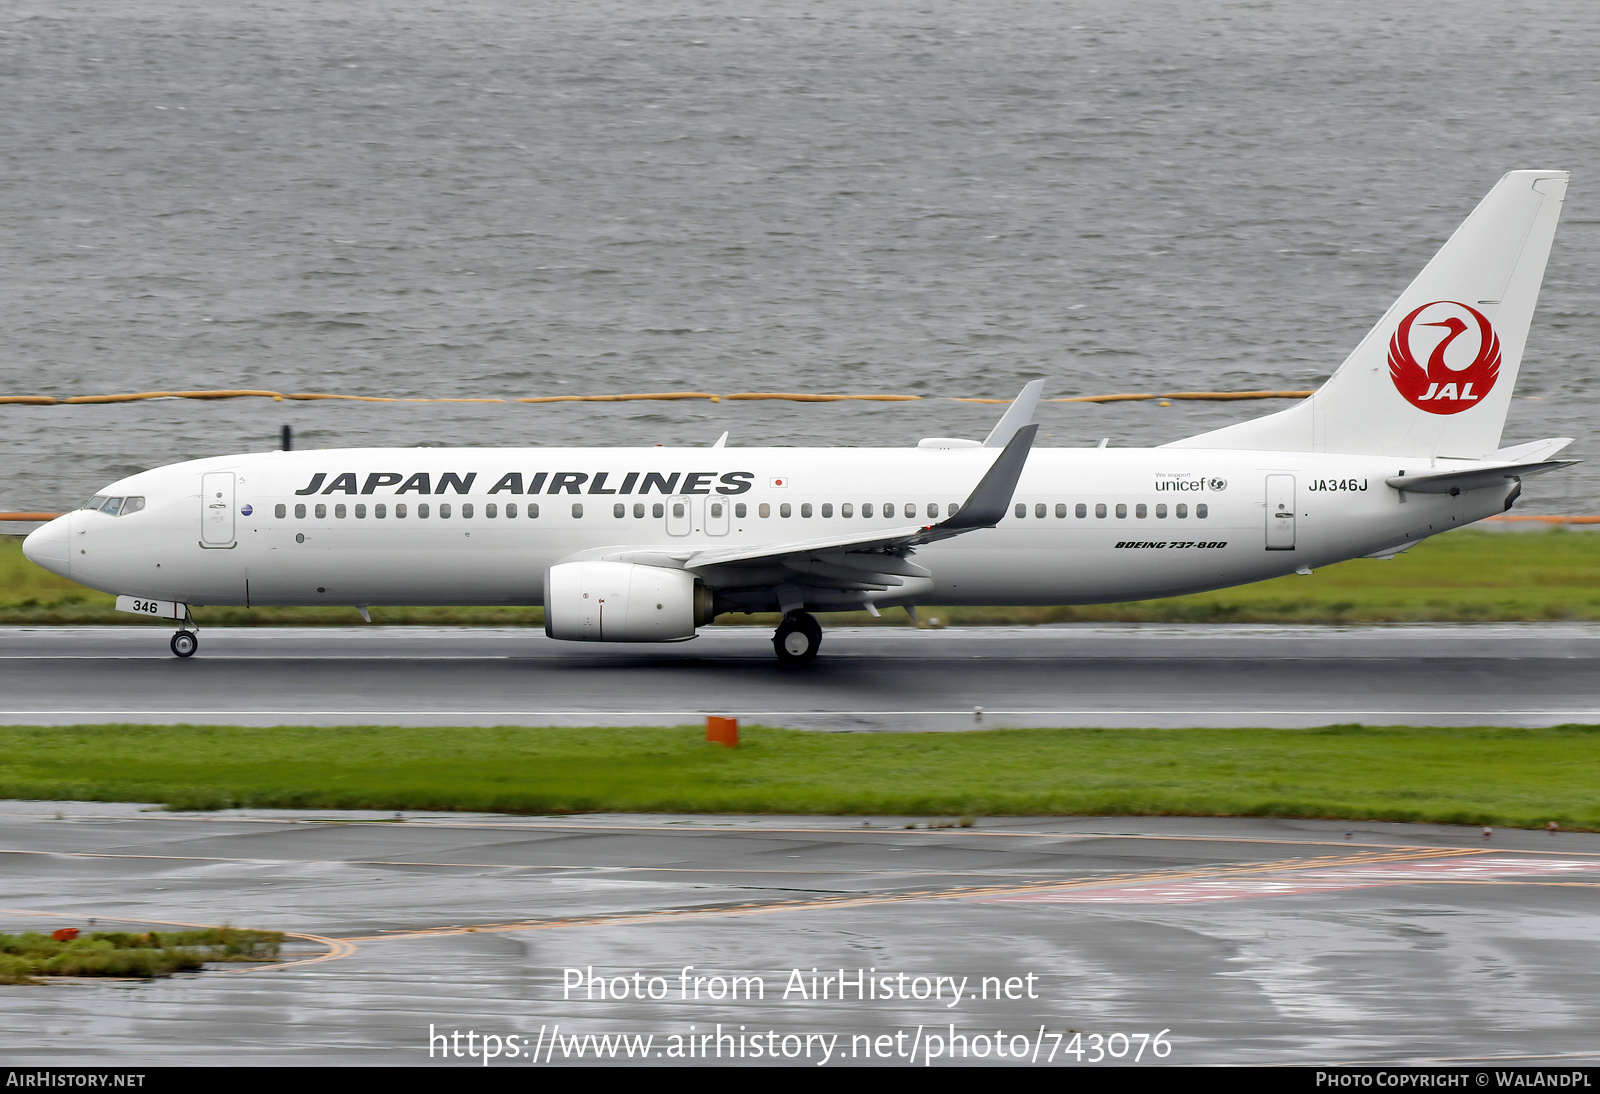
[{"x": 874, "y": 560}]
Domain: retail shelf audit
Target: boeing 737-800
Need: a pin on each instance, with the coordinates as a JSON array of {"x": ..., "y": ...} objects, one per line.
[{"x": 649, "y": 544}]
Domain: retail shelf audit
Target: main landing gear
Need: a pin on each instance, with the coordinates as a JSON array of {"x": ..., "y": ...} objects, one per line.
[
  {"x": 187, "y": 640},
  {"x": 797, "y": 639}
]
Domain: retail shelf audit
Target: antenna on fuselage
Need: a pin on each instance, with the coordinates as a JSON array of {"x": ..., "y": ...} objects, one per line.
[{"x": 288, "y": 439}]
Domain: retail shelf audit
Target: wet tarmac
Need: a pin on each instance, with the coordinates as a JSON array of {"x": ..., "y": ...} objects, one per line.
[
  {"x": 1215, "y": 940},
  {"x": 883, "y": 678}
]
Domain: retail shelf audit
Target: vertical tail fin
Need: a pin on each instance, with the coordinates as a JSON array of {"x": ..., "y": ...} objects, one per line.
[{"x": 1434, "y": 377}]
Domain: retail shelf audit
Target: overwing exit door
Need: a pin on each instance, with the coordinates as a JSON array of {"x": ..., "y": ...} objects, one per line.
[
  {"x": 680, "y": 516},
  {"x": 1280, "y": 512},
  {"x": 717, "y": 516},
  {"x": 216, "y": 509}
]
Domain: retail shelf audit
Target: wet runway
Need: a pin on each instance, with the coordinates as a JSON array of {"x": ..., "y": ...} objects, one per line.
[
  {"x": 867, "y": 678},
  {"x": 1246, "y": 941}
]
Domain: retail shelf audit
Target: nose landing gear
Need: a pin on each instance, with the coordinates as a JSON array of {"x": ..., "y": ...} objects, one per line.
[
  {"x": 187, "y": 640},
  {"x": 797, "y": 639}
]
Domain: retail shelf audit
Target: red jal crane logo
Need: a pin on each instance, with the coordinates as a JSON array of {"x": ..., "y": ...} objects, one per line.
[{"x": 1455, "y": 377}]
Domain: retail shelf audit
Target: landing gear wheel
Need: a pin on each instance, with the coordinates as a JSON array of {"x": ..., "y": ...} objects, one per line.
[
  {"x": 184, "y": 643},
  {"x": 797, "y": 639}
]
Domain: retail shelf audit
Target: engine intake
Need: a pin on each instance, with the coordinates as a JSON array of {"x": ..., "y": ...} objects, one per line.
[{"x": 622, "y": 602}]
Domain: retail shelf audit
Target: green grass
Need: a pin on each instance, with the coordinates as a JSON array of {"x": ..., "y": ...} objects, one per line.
[
  {"x": 1503, "y": 777},
  {"x": 1465, "y": 576},
  {"x": 23, "y": 957}
]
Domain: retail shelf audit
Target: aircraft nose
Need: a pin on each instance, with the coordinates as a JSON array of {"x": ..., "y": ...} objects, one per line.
[{"x": 47, "y": 546}]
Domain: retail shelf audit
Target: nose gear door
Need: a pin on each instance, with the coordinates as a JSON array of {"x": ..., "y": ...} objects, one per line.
[
  {"x": 1280, "y": 512},
  {"x": 216, "y": 509}
]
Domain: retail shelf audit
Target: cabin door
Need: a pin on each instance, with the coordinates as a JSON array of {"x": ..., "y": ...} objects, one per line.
[
  {"x": 1280, "y": 512},
  {"x": 216, "y": 509}
]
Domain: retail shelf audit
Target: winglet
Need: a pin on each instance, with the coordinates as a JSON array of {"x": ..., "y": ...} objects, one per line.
[
  {"x": 991, "y": 498},
  {"x": 1019, "y": 414}
]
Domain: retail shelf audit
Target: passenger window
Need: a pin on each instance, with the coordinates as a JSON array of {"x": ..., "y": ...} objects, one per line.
[
  {"x": 1141, "y": 510},
  {"x": 400, "y": 510},
  {"x": 888, "y": 510},
  {"x": 361, "y": 511},
  {"x": 321, "y": 511},
  {"x": 280, "y": 510},
  {"x": 1181, "y": 510},
  {"x": 638, "y": 510},
  {"x": 740, "y": 510},
  {"x": 716, "y": 510},
  {"x": 1038, "y": 510},
  {"x": 619, "y": 510},
  {"x": 422, "y": 510},
  {"x": 491, "y": 510},
  {"x": 805, "y": 510},
  {"x": 1061, "y": 510},
  {"x": 300, "y": 511},
  {"x": 827, "y": 509},
  {"x": 131, "y": 505},
  {"x": 950, "y": 510},
  {"x": 1082, "y": 510},
  {"x": 785, "y": 511},
  {"x": 1201, "y": 511},
  {"x": 379, "y": 511},
  {"x": 1100, "y": 509},
  {"x": 764, "y": 510},
  {"x": 846, "y": 510},
  {"x": 1122, "y": 511},
  {"x": 1021, "y": 509},
  {"x": 339, "y": 511},
  {"x": 866, "y": 509},
  {"x": 1161, "y": 511},
  {"x": 658, "y": 510},
  {"x": 444, "y": 510},
  {"x": 933, "y": 510},
  {"x": 511, "y": 509},
  {"x": 677, "y": 510},
  {"x": 466, "y": 511},
  {"x": 533, "y": 510},
  {"x": 577, "y": 510}
]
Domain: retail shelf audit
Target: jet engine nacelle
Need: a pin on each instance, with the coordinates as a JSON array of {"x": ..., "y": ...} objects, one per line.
[{"x": 622, "y": 602}]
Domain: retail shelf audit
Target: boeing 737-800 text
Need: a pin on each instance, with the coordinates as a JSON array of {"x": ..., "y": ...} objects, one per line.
[{"x": 648, "y": 544}]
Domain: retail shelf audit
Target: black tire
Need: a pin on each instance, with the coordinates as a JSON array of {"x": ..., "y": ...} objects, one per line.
[
  {"x": 184, "y": 643},
  {"x": 797, "y": 640}
]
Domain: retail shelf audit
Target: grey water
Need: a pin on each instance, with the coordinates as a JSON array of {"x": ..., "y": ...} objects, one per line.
[{"x": 487, "y": 198}]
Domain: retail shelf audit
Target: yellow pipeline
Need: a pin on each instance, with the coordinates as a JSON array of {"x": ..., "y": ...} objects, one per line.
[{"x": 784, "y": 396}]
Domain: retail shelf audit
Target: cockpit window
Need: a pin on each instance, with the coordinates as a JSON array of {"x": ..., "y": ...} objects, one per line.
[{"x": 114, "y": 507}]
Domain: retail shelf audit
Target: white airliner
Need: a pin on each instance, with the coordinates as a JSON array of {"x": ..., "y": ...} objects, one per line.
[{"x": 648, "y": 544}]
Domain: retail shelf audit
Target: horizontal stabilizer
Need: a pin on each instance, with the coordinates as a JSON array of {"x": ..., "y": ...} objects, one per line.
[
  {"x": 1454, "y": 482},
  {"x": 1532, "y": 451}
]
